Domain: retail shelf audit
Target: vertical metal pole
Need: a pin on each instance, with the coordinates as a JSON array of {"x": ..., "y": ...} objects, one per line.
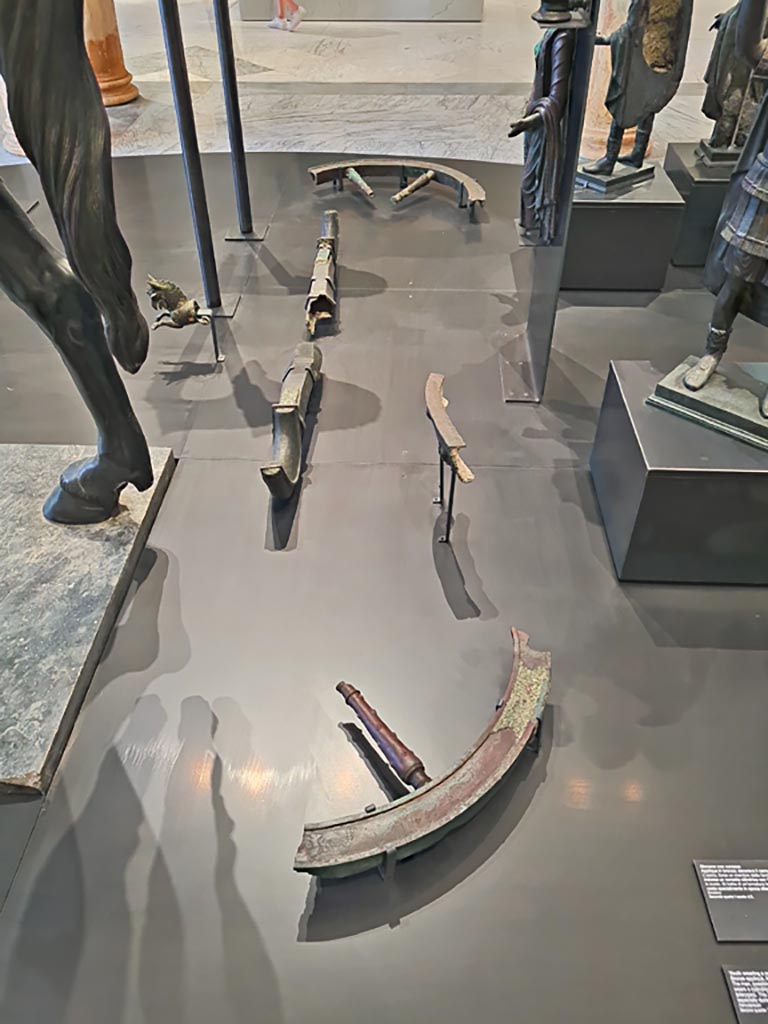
[
  {"x": 190, "y": 151},
  {"x": 439, "y": 499},
  {"x": 234, "y": 121},
  {"x": 449, "y": 513}
]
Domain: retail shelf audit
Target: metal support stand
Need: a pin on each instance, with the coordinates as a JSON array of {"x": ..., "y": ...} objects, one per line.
[
  {"x": 234, "y": 121},
  {"x": 439, "y": 499},
  {"x": 534, "y": 741},
  {"x": 193, "y": 168},
  {"x": 445, "y": 539}
]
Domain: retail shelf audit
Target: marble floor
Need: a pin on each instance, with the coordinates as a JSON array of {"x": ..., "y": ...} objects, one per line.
[{"x": 422, "y": 89}]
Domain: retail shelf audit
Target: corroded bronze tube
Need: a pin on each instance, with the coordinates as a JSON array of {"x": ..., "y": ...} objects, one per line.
[
  {"x": 321, "y": 299},
  {"x": 402, "y": 760},
  {"x": 420, "y": 182},
  {"x": 357, "y": 179}
]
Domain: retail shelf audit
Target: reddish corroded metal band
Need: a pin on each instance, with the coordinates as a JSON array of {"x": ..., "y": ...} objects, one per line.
[{"x": 347, "y": 846}]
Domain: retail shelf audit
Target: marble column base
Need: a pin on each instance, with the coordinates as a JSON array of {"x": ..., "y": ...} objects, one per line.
[
  {"x": 61, "y": 588},
  {"x": 372, "y": 10}
]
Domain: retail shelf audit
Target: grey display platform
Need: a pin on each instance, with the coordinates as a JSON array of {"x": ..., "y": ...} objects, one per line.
[
  {"x": 157, "y": 886},
  {"x": 623, "y": 240},
  {"x": 680, "y": 503},
  {"x": 703, "y": 190},
  {"x": 623, "y": 177},
  {"x": 61, "y": 588}
]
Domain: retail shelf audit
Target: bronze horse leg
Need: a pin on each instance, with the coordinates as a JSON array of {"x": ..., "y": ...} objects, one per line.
[
  {"x": 38, "y": 280},
  {"x": 84, "y": 303}
]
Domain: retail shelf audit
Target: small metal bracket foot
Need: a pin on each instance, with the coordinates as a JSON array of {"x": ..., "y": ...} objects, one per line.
[
  {"x": 387, "y": 868},
  {"x": 257, "y": 234},
  {"x": 228, "y": 307},
  {"x": 534, "y": 741}
]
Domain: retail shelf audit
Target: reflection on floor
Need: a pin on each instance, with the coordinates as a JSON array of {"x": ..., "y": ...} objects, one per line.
[{"x": 157, "y": 886}]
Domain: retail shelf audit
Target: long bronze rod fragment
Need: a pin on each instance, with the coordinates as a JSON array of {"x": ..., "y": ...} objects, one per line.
[
  {"x": 421, "y": 182},
  {"x": 402, "y": 759},
  {"x": 289, "y": 415},
  {"x": 321, "y": 298}
]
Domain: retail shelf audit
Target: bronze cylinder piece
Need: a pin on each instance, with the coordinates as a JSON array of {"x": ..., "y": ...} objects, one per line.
[{"x": 402, "y": 760}]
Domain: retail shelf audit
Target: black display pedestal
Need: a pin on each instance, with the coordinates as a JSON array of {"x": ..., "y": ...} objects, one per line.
[
  {"x": 680, "y": 503},
  {"x": 623, "y": 240},
  {"x": 703, "y": 189}
]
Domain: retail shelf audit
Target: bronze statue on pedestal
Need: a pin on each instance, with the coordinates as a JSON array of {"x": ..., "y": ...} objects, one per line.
[
  {"x": 737, "y": 266},
  {"x": 647, "y": 60}
]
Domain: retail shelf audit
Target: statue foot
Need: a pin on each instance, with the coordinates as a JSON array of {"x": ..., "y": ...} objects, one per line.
[
  {"x": 604, "y": 166},
  {"x": 89, "y": 490},
  {"x": 764, "y": 405},
  {"x": 700, "y": 373},
  {"x": 632, "y": 160}
]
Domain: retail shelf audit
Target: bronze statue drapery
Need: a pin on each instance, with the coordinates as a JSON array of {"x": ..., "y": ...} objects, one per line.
[
  {"x": 84, "y": 303},
  {"x": 543, "y": 125}
]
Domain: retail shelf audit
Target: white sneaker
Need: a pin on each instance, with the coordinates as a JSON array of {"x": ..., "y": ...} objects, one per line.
[
  {"x": 280, "y": 23},
  {"x": 295, "y": 19}
]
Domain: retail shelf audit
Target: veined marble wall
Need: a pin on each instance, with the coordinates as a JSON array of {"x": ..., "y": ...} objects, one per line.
[
  {"x": 373, "y": 10},
  {"x": 432, "y": 89}
]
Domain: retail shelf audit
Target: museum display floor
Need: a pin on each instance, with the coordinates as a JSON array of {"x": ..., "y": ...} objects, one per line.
[{"x": 155, "y": 883}]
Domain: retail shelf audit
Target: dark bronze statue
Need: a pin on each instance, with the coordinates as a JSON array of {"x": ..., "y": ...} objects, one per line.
[
  {"x": 734, "y": 90},
  {"x": 544, "y": 127},
  {"x": 647, "y": 60},
  {"x": 737, "y": 265},
  {"x": 85, "y": 304}
]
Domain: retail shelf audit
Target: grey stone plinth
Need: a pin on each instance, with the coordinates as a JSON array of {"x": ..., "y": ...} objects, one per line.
[
  {"x": 623, "y": 240},
  {"x": 620, "y": 178},
  {"x": 60, "y": 591},
  {"x": 680, "y": 504},
  {"x": 703, "y": 189},
  {"x": 730, "y": 402}
]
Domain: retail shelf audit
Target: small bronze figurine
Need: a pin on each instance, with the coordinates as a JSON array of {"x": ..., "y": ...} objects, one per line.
[
  {"x": 543, "y": 125},
  {"x": 737, "y": 266},
  {"x": 647, "y": 60},
  {"x": 176, "y": 309}
]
